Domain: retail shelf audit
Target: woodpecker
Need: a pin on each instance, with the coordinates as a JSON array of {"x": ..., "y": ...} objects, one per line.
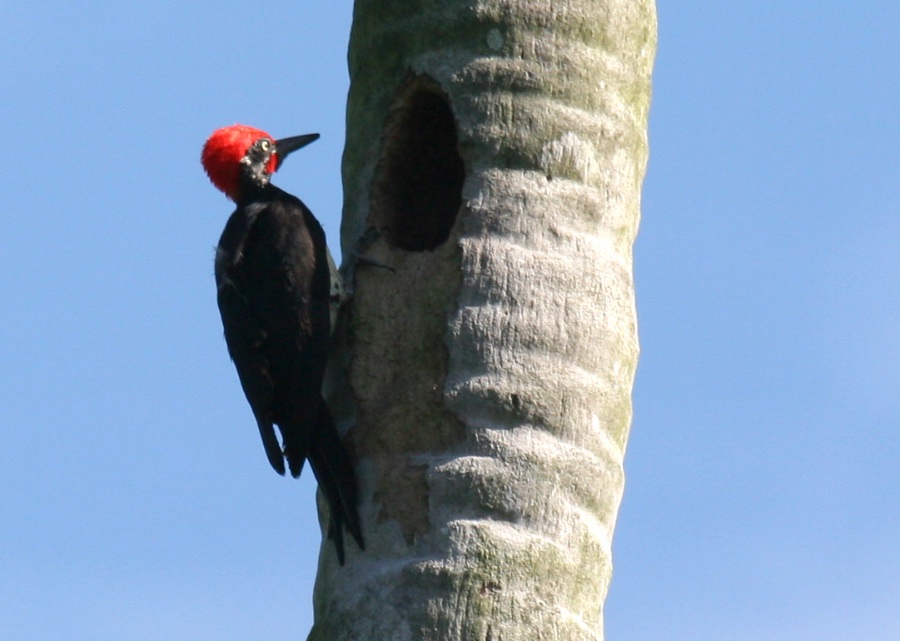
[{"x": 275, "y": 284}]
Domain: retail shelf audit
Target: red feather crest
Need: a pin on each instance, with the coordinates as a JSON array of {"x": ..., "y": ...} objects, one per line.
[{"x": 223, "y": 152}]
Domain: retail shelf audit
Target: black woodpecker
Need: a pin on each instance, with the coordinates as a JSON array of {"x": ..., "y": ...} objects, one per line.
[{"x": 274, "y": 293}]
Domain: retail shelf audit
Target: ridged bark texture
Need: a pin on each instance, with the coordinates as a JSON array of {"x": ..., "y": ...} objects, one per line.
[{"x": 485, "y": 386}]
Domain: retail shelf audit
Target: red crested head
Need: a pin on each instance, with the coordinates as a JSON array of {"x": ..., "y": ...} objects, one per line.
[{"x": 224, "y": 151}]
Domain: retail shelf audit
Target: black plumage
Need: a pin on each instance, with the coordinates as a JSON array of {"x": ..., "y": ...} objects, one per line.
[{"x": 273, "y": 282}]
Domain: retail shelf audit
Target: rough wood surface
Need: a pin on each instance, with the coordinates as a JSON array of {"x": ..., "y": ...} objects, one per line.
[{"x": 486, "y": 384}]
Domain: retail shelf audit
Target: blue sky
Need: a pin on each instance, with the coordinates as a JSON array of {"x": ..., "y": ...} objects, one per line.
[{"x": 763, "y": 492}]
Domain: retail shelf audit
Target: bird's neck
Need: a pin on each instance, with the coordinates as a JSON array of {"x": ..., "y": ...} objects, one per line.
[{"x": 254, "y": 188}]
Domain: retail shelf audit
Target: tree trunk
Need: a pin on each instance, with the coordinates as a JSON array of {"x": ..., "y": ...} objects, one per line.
[{"x": 485, "y": 386}]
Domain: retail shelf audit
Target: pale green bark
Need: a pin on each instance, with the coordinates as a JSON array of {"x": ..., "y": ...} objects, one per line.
[{"x": 486, "y": 384}]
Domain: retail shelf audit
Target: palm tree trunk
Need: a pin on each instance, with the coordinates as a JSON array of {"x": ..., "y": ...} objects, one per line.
[{"x": 485, "y": 386}]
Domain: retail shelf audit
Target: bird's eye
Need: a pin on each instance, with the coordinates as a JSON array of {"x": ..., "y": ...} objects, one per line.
[{"x": 264, "y": 144}]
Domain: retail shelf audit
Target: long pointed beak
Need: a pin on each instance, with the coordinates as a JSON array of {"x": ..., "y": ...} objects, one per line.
[{"x": 286, "y": 146}]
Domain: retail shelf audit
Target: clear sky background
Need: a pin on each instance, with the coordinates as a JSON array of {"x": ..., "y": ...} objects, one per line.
[{"x": 763, "y": 492}]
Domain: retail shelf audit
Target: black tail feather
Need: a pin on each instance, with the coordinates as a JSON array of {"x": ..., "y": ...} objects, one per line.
[
  {"x": 270, "y": 443},
  {"x": 334, "y": 472}
]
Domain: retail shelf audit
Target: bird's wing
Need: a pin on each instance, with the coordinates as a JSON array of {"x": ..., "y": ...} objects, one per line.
[{"x": 245, "y": 337}]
